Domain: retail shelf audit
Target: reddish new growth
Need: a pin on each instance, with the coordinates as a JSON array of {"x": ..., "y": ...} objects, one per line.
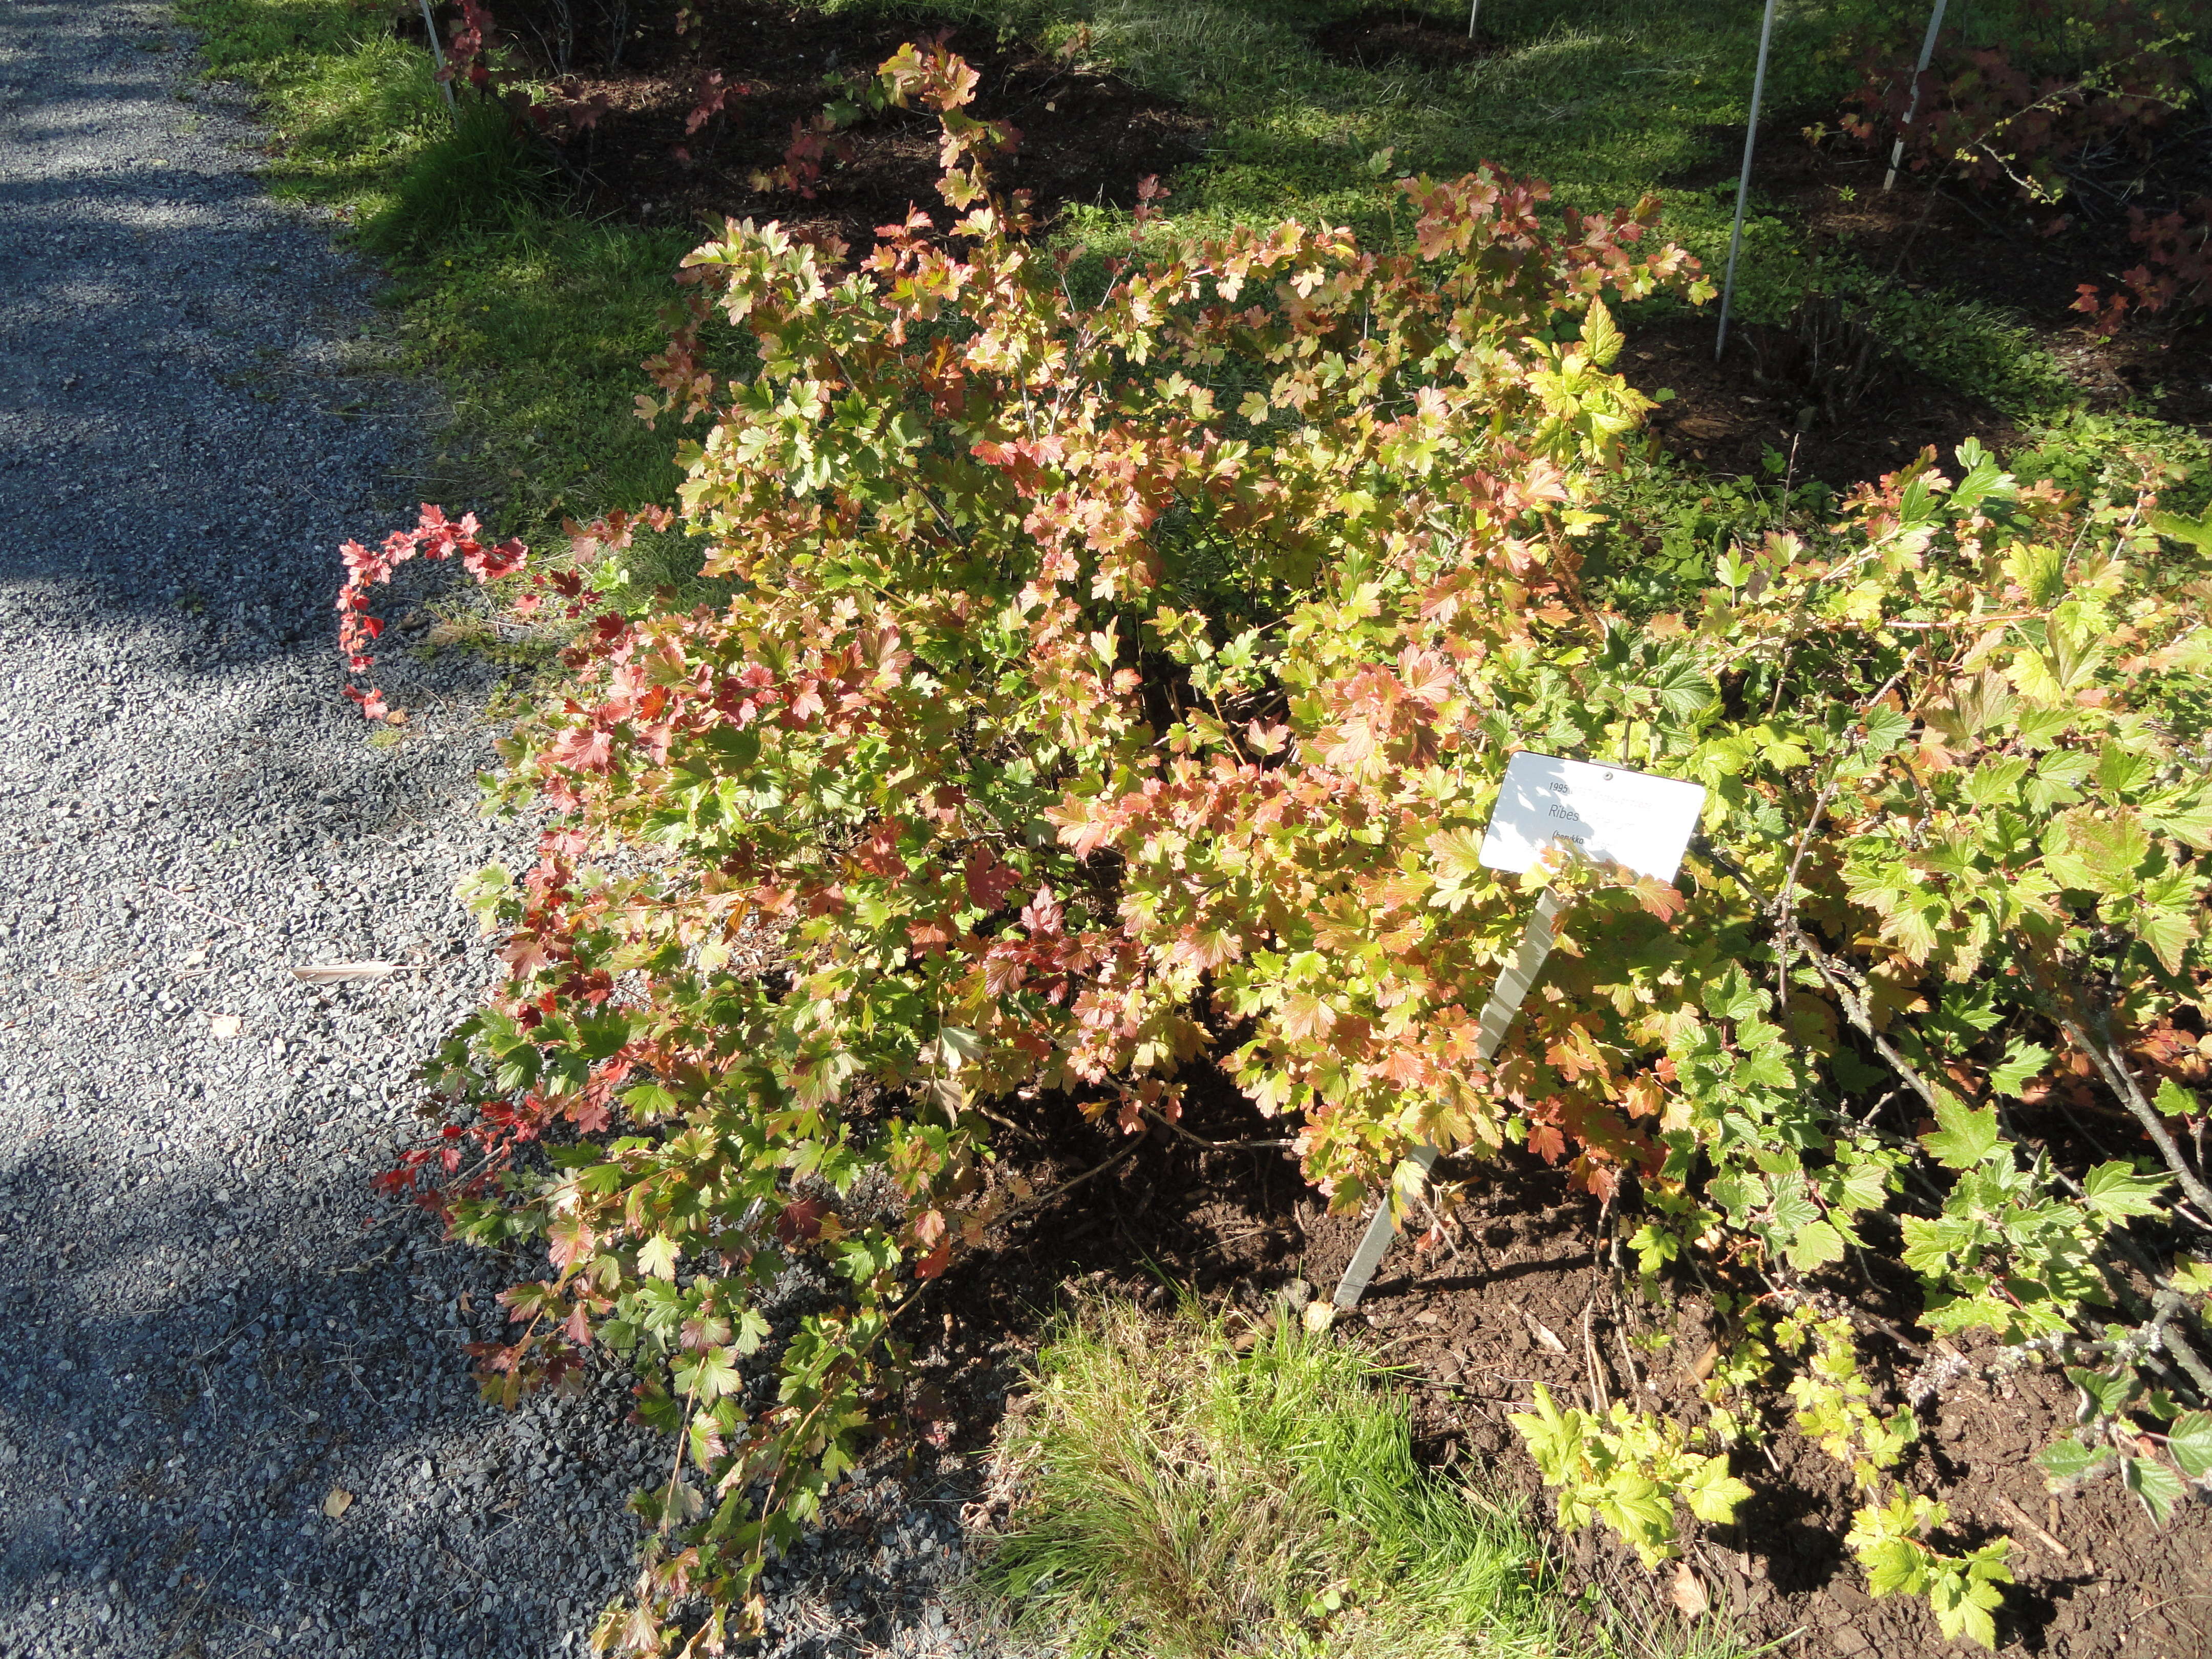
[
  {"x": 437, "y": 536},
  {"x": 434, "y": 537}
]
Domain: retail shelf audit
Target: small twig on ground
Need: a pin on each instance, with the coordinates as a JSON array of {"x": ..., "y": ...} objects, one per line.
[
  {"x": 1599, "y": 1399},
  {"x": 1067, "y": 1185},
  {"x": 1182, "y": 1134},
  {"x": 192, "y": 903},
  {"x": 2021, "y": 1517},
  {"x": 1892, "y": 1333},
  {"x": 1628, "y": 1356}
]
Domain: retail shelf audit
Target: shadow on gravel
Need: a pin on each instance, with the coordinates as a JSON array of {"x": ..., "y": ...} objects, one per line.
[
  {"x": 193, "y": 390},
  {"x": 232, "y": 1425},
  {"x": 293, "y": 1394}
]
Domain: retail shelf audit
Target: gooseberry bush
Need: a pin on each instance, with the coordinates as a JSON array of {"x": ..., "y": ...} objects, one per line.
[{"x": 1114, "y": 676}]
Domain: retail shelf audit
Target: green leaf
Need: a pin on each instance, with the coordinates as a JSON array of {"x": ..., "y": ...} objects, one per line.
[
  {"x": 648, "y": 1100},
  {"x": 2158, "y": 1486},
  {"x": 1929, "y": 1245},
  {"x": 1601, "y": 337},
  {"x": 2186, "y": 817},
  {"x": 1885, "y": 728},
  {"x": 1713, "y": 1493},
  {"x": 1734, "y": 997},
  {"x": 2056, "y": 777},
  {"x": 1456, "y": 852},
  {"x": 1963, "y": 1602},
  {"x": 2198, "y": 532},
  {"x": 2114, "y": 1190},
  {"x": 2106, "y": 1393},
  {"x": 1815, "y": 1245},
  {"x": 1984, "y": 480},
  {"x": 1639, "y": 1509},
  {"x": 1894, "y": 1564},
  {"x": 1861, "y": 1184},
  {"x": 962, "y": 1043},
  {"x": 1997, "y": 783},
  {"x": 657, "y": 1257},
  {"x": 1794, "y": 1207},
  {"x": 1965, "y": 1137},
  {"x": 2190, "y": 1440},
  {"x": 714, "y": 1375},
  {"x": 2174, "y": 1100},
  {"x": 2193, "y": 1276},
  {"x": 1681, "y": 689},
  {"x": 2167, "y": 931},
  {"x": 2022, "y": 1061},
  {"x": 2121, "y": 768},
  {"x": 2111, "y": 847},
  {"x": 2065, "y": 1462}
]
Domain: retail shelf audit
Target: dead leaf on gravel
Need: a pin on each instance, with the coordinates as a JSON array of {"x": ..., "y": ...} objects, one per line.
[
  {"x": 335, "y": 973},
  {"x": 337, "y": 1503},
  {"x": 1687, "y": 1593},
  {"x": 225, "y": 1025}
]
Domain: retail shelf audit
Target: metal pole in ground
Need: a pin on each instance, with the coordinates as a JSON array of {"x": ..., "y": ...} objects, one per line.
[
  {"x": 1743, "y": 183},
  {"x": 1473, "y": 7},
  {"x": 1497, "y": 1015},
  {"x": 1912, "y": 109},
  {"x": 438, "y": 54}
]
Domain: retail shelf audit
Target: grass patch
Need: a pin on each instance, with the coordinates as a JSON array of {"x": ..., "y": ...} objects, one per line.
[
  {"x": 535, "y": 320},
  {"x": 1184, "y": 1499},
  {"x": 472, "y": 175}
]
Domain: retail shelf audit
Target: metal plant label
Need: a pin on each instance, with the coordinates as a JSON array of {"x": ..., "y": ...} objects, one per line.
[{"x": 1605, "y": 813}]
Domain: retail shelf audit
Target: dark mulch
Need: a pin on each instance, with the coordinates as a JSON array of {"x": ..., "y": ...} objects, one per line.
[
  {"x": 1474, "y": 1325},
  {"x": 1728, "y": 416},
  {"x": 1085, "y": 136},
  {"x": 1929, "y": 237},
  {"x": 1395, "y": 37}
]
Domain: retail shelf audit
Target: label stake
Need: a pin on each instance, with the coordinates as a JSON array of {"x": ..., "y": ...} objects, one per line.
[
  {"x": 437, "y": 53},
  {"x": 1743, "y": 183},
  {"x": 1497, "y": 1018},
  {"x": 1912, "y": 109}
]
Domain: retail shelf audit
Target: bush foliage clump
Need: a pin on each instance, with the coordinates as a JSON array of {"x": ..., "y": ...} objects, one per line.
[{"x": 1114, "y": 688}]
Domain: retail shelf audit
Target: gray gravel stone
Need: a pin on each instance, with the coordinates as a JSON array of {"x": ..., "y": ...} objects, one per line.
[{"x": 202, "y": 1338}]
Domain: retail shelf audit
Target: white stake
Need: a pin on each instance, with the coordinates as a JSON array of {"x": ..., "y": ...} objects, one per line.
[
  {"x": 1912, "y": 109},
  {"x": 1473, "y": 7},
  {"x": 1743, "y": 183},
  {"x": 437, "y": 53},
  {"x": 1497, "y": 1017}
]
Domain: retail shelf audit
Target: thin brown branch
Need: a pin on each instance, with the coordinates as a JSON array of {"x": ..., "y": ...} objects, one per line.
[
  {"x": 1856, "y": 1012},
  {"x": 2122, "y": 1082},
  {"x": 1182, "y": 1134},
  {"x": 1067, "y": 1185}
]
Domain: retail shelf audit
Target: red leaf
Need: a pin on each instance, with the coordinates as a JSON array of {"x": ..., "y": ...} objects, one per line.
[
  {"x": 800, "y": 1221},
  {"x": 990, "y": 880}
]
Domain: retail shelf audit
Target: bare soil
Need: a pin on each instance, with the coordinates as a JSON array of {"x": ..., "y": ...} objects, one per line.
[
  {"x": 1085, "y": 137},
  {"x": 1393, "y": 36},
  {"x": 1926, "y": 235},
  {"x": 1528, "y": 1291}
]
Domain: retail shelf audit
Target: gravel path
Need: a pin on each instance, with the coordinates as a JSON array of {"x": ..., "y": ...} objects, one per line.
[{"x": 234, "y": 1420}]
